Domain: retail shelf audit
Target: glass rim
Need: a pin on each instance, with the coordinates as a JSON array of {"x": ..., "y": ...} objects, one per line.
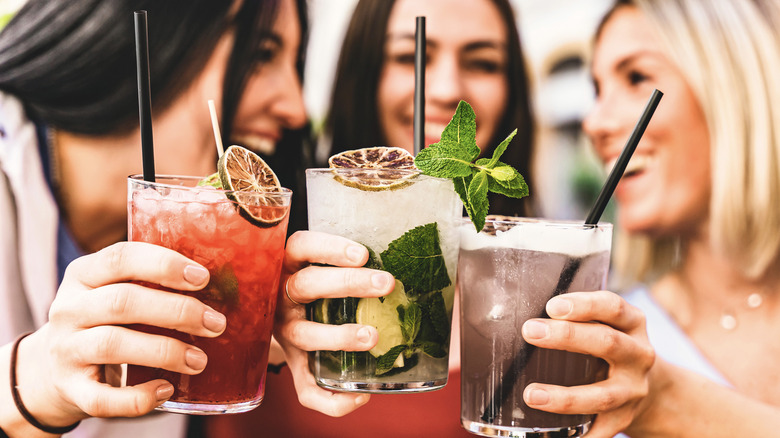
[
  {"x": 377, "y": 171},
  {"x": 138, "y": 178},
  {"x": 555, "y": 223}
]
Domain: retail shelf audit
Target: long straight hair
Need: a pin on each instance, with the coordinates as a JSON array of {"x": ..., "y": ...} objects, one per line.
[
  {"x": 728, "y": 53},
  {"x": 352, "y": 120}
]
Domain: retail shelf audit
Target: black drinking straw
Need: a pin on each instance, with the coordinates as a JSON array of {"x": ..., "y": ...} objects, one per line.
[
  {"x": 419, "y": 85},
  {"x": 520, "y": 361},
  {"x": 144, "y": 93}
]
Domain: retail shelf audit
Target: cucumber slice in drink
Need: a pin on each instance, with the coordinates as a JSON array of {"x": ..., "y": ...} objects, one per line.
[{"x": 384, "y": 316}]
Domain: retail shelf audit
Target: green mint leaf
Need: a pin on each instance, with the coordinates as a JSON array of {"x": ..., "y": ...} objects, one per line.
[
  {"x": 500, "y": 149},
  {"x": 384, "y": 363},
  {"x": 456, "y": 156},
  {"x": 432, "y": 349},
  {"x": 444, "y": 160},
  {"x": 514, "y": 188},
  {"x": 477, "y": 196},
  {"x": 416, "y": 260},
  {"x": 462, "y": 130},
  {"x": 437, "y": 311},
  {"x": 503, "y": 172},
  {"x": 411, "y": 322}
]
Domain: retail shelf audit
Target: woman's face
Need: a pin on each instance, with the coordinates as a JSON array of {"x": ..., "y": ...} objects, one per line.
[
  {"x": 272, "y": 101},
  {"x": 666, "y": 187},
  {"x": 466, "y": 60}
]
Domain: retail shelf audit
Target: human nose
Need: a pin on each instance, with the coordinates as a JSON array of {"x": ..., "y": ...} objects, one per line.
[
  {"x": 444, "y": 82},
  {"x": 602, "y": 122},
  {"x": 289, "y": 106}
]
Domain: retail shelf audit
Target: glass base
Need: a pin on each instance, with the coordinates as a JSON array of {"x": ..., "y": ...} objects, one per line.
[
  {"x": 208, "y": 408},
  {"x": 381, "y": 387},
  {"x": 483, "y": 429}
]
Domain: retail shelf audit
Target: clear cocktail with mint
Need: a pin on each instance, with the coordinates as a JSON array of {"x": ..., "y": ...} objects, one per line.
[
  {"x": 409, "y": 223},
  {"x": 239, "y": 237},
  {"x": 406, "y": 210}
]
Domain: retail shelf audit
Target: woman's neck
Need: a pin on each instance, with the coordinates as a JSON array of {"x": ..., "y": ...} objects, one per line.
[
  {"x": 92, "y": 187},
  {"x": 708, "y": 286}
]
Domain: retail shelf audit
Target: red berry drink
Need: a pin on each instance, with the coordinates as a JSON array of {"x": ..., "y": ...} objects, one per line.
[{"x": 244, "y": 258}]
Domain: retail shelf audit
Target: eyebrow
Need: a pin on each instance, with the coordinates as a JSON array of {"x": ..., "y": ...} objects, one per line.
[
  {"x": 474, "y": 45},
  {"x": 624, "y": 63}
]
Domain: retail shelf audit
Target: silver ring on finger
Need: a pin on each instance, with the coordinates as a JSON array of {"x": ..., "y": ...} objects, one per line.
[{"x": 287, "y": 292}]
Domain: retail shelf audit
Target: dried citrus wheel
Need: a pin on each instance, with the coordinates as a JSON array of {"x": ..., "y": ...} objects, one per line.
[
  {"x": 374, "y": 169},
  {"x": 244, "y": 175}
]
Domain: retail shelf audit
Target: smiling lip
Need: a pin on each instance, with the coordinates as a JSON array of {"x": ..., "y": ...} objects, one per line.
[{"x": 264, "y": 143}]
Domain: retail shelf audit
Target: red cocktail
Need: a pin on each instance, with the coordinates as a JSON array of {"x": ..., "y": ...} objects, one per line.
[{"x": 244, "y": 259}]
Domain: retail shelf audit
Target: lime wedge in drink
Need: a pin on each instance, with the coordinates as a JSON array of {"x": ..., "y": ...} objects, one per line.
[{"x": 384, "y": 316}]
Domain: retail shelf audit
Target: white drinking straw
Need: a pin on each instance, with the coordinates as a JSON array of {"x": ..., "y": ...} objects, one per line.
[{"x": 215, "y": 125}]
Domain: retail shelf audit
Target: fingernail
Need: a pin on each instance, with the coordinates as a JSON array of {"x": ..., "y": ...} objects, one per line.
[
  {"x": 355, "y": 253},
  {"x": 381, "y": 280},
  {"x": 534, "y": 329},
  {"x": 361, "y": 399},
  {"x": 195, "y": 275},
  {"x": 164, "y": 392},
  {"x": 364, "y": 335},
  {"x": 538, "y": 397},
  {"x": 214, "y": 320},
  {"x": 195, "y": 359},
  {"x": 559, "y": 307}
]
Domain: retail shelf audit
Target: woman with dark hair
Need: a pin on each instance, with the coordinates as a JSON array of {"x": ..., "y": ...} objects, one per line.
[
  {"x": 473, "y": 54},
  {"x": 68, "y": 139}
]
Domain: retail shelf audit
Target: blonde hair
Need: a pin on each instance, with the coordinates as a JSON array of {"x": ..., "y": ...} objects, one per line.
[{"x": 729, "y": 52}]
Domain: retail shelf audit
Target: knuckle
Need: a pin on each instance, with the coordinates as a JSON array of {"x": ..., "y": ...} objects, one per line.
[
  {"x": 164, "y": 353},
  {"x": 107, "y": 344},
  {"x": 120, "y": 300},
  {"x": 605, "y": 401},
  {"x": 114, "y": 257},
  {"x": 566, "y": 402},
  {"x": 352, "y": 281},
  {"x": 610, "y": 342}
]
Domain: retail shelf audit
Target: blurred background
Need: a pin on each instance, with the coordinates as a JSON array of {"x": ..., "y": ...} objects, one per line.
[{"x": 556, "y": 38}]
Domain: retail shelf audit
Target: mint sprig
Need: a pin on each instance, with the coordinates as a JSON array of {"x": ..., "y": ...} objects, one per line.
[{"x": 456, "y": 156}]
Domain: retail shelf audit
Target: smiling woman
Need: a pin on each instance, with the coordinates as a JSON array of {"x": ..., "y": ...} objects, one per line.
[
  {"x": 473, "y": 54},
  {"x": 69, "y": 138}
]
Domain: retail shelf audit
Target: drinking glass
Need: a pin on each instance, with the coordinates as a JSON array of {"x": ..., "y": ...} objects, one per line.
[
  {"x": 244, "y": 259},
  {"x": 506, "y": 275},
  {"x": 409, "y": 223}
]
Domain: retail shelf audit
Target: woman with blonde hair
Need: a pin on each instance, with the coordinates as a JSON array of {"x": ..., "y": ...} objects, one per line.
[{"x": 699, "y": 209}]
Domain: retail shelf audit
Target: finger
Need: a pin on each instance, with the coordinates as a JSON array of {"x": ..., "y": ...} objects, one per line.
[
  {"x": 101, "y": 400},
  {"x": 128, "y": 303},
  {"x": 310, "y": 395},
  {"x": 126, "y": 261},
  {"x": 306, "y": 247},
  {"x": 604, "y": 306},
  {"x": 117, "y": 345},
  {"x": 311, "y": 336},
  {"x": 315, "y": 282},
  {"x": 588, "y": 338},
  {"x": 598, "y": 397}
]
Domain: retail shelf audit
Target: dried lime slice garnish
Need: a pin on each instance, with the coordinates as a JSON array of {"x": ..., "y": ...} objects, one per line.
[
  {"x": 374, "y": 169},
  {"x": 244, "y": 174}
]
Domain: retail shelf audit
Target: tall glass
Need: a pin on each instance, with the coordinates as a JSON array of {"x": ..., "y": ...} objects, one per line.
[
  {"x": 244, "y": 260},
  {"x": 409, "y": 223},
  {"x": 506, "y": 275}
]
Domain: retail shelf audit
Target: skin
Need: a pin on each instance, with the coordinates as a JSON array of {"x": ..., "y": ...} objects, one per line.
[
  {"x": 667, "y": 193},
  {"x": 67, "y": 369},
  {"x": 666, "y": 189},
  {"x": 466, "y": 60}
]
